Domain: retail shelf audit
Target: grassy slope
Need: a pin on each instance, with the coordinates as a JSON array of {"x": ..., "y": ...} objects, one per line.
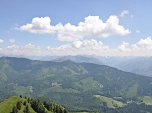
[
  {"x": 111, "y": 103},
  {"x": 7, "y": 105},
  {"x": 147, "y": 100}
]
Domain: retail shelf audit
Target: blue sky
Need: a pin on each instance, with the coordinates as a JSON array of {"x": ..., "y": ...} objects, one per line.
[{"x": 18, "y": 40}]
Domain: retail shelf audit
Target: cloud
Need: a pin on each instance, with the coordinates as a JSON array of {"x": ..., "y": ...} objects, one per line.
[
  {"x": 124, "y": 13},
  {"x": 91, "y": 27},
  {"x": 124, "y": 47},
  {"x": 12, "y": 40},
  {"x": 85, "y": 47},
  {"x": 144, "y": 44},
  {"x": 38, "y": 25},
  {"x": 143, "y": 47},
  {"x": 77, "y": 44},
  {"x": 1, "y": 49},
  {"x": 137, "y": 31},
  {"x": 1, "y": 40},
  {"x": 26, "y": 50}
]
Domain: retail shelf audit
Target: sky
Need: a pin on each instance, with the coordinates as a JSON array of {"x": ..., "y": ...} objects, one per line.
[{"x": 75, "y": 27}]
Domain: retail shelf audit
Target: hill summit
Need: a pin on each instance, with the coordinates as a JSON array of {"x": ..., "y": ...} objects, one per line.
[{"x": 19, "y": 104}]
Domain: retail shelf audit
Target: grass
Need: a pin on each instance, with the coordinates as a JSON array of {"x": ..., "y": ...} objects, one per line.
[
  {"x": 7, "y": 105},
  {"x": 111, "y": 103},
  {"x": 147, "y": 100}
]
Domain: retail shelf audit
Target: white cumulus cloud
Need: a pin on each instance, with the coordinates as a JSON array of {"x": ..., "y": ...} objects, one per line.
[
  {"x": 91, "y": 27},
  {"x": 141, "y": 48},
  {"x": 144, "y": 44}
]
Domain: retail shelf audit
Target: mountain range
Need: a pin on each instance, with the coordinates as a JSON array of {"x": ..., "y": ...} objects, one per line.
[
  {"x": 80, "y": 86},
  {"x": 138, "y": 65}
]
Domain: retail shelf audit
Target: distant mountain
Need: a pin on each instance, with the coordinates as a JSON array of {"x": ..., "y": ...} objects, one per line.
[
  {"x": 114, "y": 61},
  {"x": 140, "y": 65},
  {"x": 16, "y": 104},
  {"x": 78, "y": 59},
  {"x": 80, "y": 86}
]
